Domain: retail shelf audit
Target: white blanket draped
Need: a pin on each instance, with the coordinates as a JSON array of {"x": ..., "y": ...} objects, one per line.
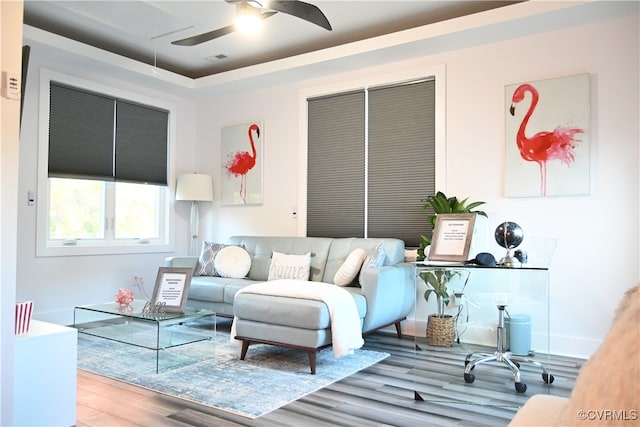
[{"x": 346, "y": 332}]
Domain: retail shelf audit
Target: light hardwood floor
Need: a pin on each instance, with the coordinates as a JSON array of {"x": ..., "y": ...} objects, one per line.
[{"x": 383, "y": 394}]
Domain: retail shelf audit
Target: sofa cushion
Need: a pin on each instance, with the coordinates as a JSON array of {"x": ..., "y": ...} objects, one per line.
[
  {"x": 233, "y": 262},
  {"x": 295, "y": 312},
  {"x": 342, "y": 247},
  {"x": 216, "y": 289},
  {"x": 285, "y": 266},
  {"x": 374, "y": 259},
  {"x": 350, "y": 267},
  {"x": 205, "y": 266},
  {"x": 261, "y": 248},
  {"x": 207, "y": 288}
]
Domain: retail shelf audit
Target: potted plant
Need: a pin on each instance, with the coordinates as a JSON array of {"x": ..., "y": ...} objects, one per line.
[
  {"x": 441, "y": 327},
  {"x": 439, "y": 203}
]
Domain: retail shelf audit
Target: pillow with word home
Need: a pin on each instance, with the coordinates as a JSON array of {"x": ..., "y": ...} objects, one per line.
[{"x": 285, "y": 266}]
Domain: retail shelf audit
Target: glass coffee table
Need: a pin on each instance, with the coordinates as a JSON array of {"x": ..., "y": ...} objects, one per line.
[{"x": 157, "y": 332}]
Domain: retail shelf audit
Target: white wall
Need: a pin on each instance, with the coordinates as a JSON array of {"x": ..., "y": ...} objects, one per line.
[
  {"x": 57, "y": 284},
  {"x": 10, "y": 48},
  {"x": 594, "y": 262}
]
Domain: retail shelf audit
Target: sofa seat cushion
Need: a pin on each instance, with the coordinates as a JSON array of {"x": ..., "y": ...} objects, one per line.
[
  {"x": 293, "y": 312},
  {"x": 214, "y": 289}
]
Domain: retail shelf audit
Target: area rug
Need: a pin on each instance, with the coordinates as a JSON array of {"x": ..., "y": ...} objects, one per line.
[{"x": 269, "y": 378}]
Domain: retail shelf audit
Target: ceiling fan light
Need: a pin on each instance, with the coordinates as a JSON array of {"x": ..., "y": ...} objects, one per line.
[{"x": 248, "y": 18}]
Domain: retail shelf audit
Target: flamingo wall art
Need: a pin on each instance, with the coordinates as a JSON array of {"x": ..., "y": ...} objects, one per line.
[
  {"x": 242, "y": 164},
  {"x": 547, "y": 137}
]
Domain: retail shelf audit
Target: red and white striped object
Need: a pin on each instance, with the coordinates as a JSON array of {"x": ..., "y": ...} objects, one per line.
[{"x": 24, "y": 310}]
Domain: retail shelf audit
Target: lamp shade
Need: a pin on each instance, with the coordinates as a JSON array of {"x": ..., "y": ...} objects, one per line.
[{"x": 195, "y": 187}]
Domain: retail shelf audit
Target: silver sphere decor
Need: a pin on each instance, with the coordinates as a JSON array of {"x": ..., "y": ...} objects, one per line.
[{"x": 509, "y": 235}]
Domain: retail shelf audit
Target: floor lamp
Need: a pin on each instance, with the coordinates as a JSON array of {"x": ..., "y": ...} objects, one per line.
[{"x": 195, "y": 188}]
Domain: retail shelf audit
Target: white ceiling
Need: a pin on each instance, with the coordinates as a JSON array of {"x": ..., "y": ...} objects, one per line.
[{"x": 143, "y": 30}]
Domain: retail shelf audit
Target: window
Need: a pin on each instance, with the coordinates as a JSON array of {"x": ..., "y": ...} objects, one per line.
[
  {"x": 371, "y": 161},
  {"x": 103, "y": 169}
]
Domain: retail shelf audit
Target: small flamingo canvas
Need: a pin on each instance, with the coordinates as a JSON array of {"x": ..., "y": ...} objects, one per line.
[
  {"x": 547, "y": 137},
  {"x": 242, "y": 164}
]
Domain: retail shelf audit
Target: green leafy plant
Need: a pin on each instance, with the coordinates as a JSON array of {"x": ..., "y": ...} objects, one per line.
[
  {"x": 437, "y": 281},
  {"x": 439, "y": 203}
]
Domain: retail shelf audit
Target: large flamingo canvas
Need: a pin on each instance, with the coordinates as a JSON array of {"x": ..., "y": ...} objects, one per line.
[
  {"x": 242, "y": 164},
  {"x": 547, "y": 137}
]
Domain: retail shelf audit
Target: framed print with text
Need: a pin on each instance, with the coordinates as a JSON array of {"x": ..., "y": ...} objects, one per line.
[
  {"x": 451, "y": 238},
  {"x": 171, "y": 289}
]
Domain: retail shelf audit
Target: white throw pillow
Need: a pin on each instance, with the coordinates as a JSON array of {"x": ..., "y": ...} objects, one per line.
[
  {"x": 208, "y": 254},
  {"x": 233, "y": 262},
  {"x": 374, "y": 259},
  {"x": 285, "y": 266},
  {"x": 350, "y": 267}
]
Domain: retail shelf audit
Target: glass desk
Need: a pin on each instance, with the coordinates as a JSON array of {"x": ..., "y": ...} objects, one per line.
[
  {"x": 129, "y": 325},
  {"x": 480, "y": 294}
]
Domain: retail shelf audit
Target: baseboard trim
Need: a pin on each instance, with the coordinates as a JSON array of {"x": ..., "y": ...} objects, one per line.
[{"x": 569, "y": 346}]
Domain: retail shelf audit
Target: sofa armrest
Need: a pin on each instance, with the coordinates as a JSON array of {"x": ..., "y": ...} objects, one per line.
[
  {"x": 390, "y": 293},
  {"x": 181, "y": 261}
]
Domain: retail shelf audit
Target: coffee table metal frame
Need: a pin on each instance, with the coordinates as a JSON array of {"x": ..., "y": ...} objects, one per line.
[{"x": 117, "y": 323}]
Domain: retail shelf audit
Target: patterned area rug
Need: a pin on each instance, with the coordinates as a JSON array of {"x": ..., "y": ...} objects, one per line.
[{"x": 211, "y": 373}]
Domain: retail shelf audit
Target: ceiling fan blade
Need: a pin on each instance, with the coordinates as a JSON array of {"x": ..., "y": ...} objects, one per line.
[
  {"x": 301, "y": 10},
  {"x": 205, "y": 37}
]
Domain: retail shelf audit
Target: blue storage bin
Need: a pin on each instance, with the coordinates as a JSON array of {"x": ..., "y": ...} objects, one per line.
[{"x": 519, "y": 334}]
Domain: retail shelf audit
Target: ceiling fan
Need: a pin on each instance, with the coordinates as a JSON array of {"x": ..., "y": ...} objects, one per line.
[{"x": 299, "y": 9}]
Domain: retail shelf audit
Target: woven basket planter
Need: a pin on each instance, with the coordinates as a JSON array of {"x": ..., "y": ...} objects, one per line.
[{"x": 441, "y": 331}]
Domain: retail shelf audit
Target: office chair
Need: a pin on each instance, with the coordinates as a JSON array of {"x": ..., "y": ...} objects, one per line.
[{"x": 502, "y": 356}]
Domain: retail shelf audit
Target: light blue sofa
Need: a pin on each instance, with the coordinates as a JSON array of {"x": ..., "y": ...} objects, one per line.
[{"x": 384, "y": 297}]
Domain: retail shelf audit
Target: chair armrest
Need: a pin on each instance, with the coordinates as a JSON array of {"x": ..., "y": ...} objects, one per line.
[
  {"x": 390, "y": 293},
  {"x": 181, "y": 261}
]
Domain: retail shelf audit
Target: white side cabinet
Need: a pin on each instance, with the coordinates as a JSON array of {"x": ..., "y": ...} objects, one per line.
[{"x": 46, "y": 376}]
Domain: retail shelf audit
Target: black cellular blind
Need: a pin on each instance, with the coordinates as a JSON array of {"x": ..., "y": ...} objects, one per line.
[
  {"x": 401, "y": 159},
  {"x": 80, "y": 133},
  {"x": 141, "y": 143},
  {"x": 96, "y": 136},
  {"x": 336, "y": 165},
  {"x": 394, "y": 135}
]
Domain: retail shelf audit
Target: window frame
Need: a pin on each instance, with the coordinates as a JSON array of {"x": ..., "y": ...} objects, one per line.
[
  {"x": 49, "y": 248},
  {"x": 437, "y": 71}
]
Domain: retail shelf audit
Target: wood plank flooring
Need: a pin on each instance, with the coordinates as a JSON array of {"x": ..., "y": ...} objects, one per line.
[{"x": 382, "y": 394}]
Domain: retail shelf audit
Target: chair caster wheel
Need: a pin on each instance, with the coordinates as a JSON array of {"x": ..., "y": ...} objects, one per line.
[
  {"x": 547, "y": 378},
  {"x": 469, "y": 378},
  {"x": 467, "y": 359},
  {"x": 521, "y": 387}
]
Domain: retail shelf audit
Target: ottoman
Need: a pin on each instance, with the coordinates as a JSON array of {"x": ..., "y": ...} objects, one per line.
[{"x": 291, "y": 322}]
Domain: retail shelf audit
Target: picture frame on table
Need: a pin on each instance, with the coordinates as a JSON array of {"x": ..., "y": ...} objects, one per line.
[
  {"x": 451, "y": 238},
  {"x": 171, "y": 289}
]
